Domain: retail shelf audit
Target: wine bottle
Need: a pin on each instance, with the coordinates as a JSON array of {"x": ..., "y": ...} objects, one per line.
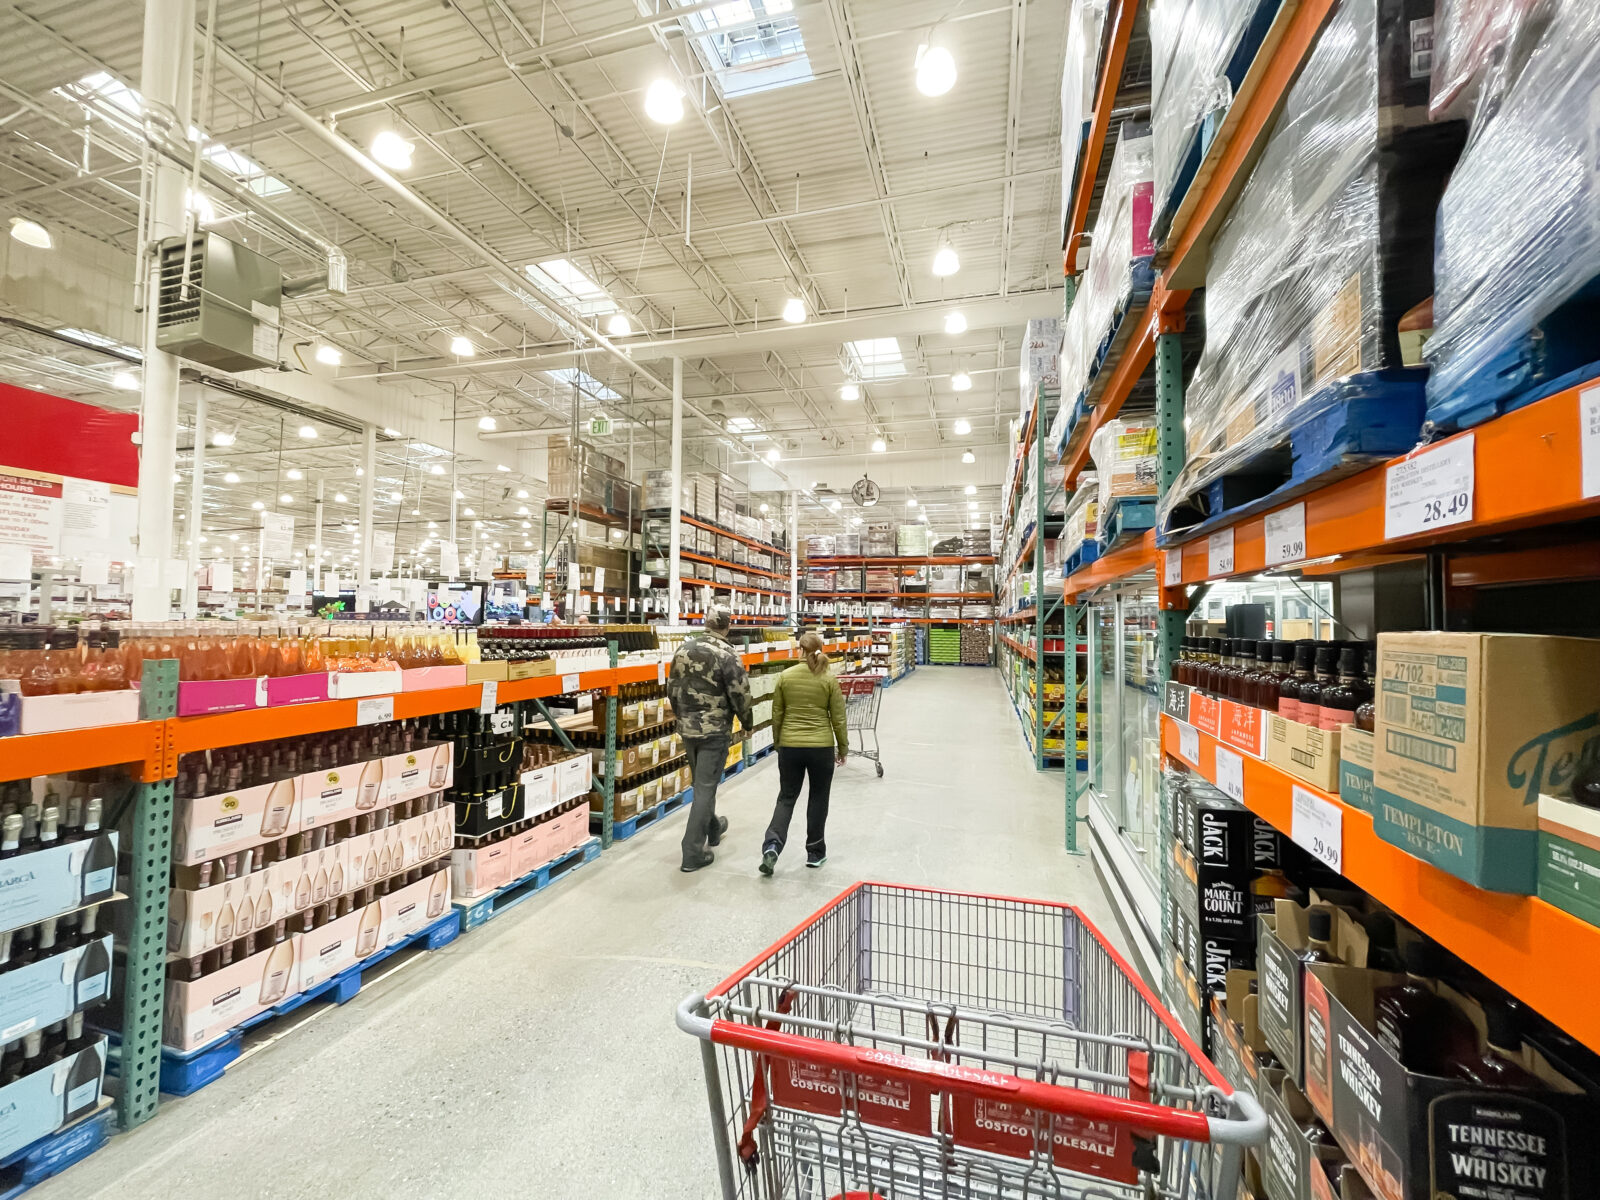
[
  {"x": 83, "y": 1084},
  {"x": 91, "y": 982},
  {"x": 10, "y": 835},
  {"x": 100, "y": 864},
  {"x": 30, "y": 827}
]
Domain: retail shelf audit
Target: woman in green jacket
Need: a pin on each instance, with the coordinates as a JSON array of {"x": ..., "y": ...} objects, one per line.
[{"x": 809, "y": 730}]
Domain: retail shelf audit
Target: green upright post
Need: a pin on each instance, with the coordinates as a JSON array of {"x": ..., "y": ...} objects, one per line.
[
  {"x": 144, "y": 982},
  {"x": 1170, "y": 623},
  {"x": 1039, "y": 613},
  {"x": 608, "y": 791},
  {"x": 1071, "y": 614}
]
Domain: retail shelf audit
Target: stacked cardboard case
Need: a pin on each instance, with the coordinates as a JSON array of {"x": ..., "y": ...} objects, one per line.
[{"x": 1326, "y": 248}]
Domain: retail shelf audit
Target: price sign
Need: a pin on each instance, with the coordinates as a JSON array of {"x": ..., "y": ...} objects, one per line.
[
  {"x": 569, "y": 683},
  {"x": 489, "y": 696},
  {"x": 374, "y": 710},
  {"x": 1286, "y": 535},
  {"x": 1589, "y": 440},
  {"x": 1219, "y": 553},
  {"x": 1189, "y": 744},
  {"x": 494, "y": 804},
  {"x": 502, "y": 722},
  {"x": 661, "y": 672},
  {"x": 1230, "y": 773},
  {"x": 1317, "y": 826},
  {"x": 1172, "y": 568},
  {"x": 1432, "y": 489}
]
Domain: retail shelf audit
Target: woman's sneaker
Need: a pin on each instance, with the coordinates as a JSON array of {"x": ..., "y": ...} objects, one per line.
[{"x": 816, "y": 860}]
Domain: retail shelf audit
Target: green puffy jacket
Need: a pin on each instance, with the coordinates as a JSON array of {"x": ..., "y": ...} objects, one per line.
[{"x": 808, "y": 710}]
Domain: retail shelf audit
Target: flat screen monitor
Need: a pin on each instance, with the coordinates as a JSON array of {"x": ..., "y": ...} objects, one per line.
[{"x": 455, "y": 602}]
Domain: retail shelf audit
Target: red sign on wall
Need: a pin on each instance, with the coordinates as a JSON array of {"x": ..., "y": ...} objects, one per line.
[{"x": 56, "y": 436}]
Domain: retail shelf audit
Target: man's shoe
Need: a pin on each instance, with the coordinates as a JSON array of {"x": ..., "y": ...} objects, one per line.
[
  {"x": 714, "y": 838},
  {"x": 769, "y": 860},
  {"x": 705, "y": 860},
  {"x": 816, "y": 860}
]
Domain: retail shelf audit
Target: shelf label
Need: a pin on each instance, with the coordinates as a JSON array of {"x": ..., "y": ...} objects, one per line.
[
  {"x": 661, "y": 672},
  {"x": 1230, "y": 773},
  {"x": 1286, "y": 535},
  {"x": 1589, "y": 440},
  {"x": 1219, "y": 553},
  {"x": 374, "y": 709},
  {"x": 1189, "y": 744},
  {"x": 1172, "y": 568},
  {"x": 1317, "y": 826},
  {"x": 503, "y": 722},
  {"x": 489, "y": 696},
  {"x": 1432, "y": 489},
  {"x": 569, "y": 683}
]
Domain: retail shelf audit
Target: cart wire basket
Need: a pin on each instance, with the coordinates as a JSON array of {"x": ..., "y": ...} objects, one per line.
[
  {"x": 908, "y": 1043},
  {"x": 862, "y": 696}
]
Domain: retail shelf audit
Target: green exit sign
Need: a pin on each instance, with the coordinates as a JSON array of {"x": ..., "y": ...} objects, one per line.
[{"x": 599, "y": 425}]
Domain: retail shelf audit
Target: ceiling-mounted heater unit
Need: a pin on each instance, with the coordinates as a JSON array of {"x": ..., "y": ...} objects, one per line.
[{"x": 231, "y": 314}]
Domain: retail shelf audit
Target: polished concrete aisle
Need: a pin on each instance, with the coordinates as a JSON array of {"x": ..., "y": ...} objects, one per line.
[{"x": 536, "y": 1056}]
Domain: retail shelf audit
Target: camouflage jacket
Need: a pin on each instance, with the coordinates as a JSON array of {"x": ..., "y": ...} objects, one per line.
[{"x": 708, "y": 688}]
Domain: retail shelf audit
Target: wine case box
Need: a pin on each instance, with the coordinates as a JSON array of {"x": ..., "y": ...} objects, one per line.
[
  {"x": 413, "y": 908},
  {"x": 201, "y": 1011},
  {"x": 297, "y": 689},
  {"x": 480, "y": 672},
  {"x": 416, "y": 772},
  {"x": 1356, "y": 750},
  {"x": 351, "y": 685},
  {"x": 478, "y": 870},
  {"x": 51, "y": 989},
  {"x": 1305, "y": 751},
  {"x": 1290, "y": 1160},
  {"x": 1280, "y": 939},
  {"x": 1417, "y": 1137},
  {"x": 47, "y": 883},
  {"x": 1569, "y": 857},
  {"x": 574, "y": 777},
  {"x": 499, "y": 808},
  {"x": 474, "y": 762},
  {"x": 40, "y": 1103},
  {"x": 86, "y": 710},
  {"x": 422, "y": 679},
  {"x": 202, "y": 696},
  {"x": 1471, "y": 728},
  {"x": 530, "y": 668},
  {"x": 539, "y": 791},
  {"x": 338, "y": 945}
]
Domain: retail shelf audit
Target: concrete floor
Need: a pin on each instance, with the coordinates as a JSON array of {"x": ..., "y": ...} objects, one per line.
[{"x": 537, "y": 1055}]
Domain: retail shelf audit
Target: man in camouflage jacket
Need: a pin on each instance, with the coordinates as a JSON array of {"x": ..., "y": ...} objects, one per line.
[{"x": 708, "y": 688}]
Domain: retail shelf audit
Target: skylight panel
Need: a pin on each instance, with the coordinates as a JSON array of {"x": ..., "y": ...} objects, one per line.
[
  {"x": 741, "y": 425},
  {"x": 752, "y": 45},
  {"x": 876, "y": 358},
  {"x": 102, "y": 85},
  {"x": 587, "y": 384},
  {"x": 564, "y": 280}
]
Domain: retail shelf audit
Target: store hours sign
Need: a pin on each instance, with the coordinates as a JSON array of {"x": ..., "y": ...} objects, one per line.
[{"x": 31, "y": 513}]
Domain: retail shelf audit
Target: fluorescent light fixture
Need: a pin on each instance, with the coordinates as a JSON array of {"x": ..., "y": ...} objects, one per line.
[
  {"x": 936, "y": 70},
  {"x": 233, "y": 537},
  {"x": 876, "y": 358},
  {"x": 294, "y": 474},
  {"x": 257, "y": 505},
  {"x": 392, "y": 151},
  {"x": 462, "y": 347},
  {"x": 433, "y": 524},
  {"x": 231, "y": 477},
  {"x": 31, "y": 233},
  {"x": 461, "y": 495},
  {"x": 962, "y": 427},
  {"x": 879, "y": 445},
  {"x": 501, "y": 467},
  {"x": 850, "y": 393},
  {"x": 972, "y": 506},
  {"x": 360, "y": 471},
  {"x": 340, "y": 498},
  {"x": 739, "y": 424},
  {"x": 310, "y": 431},
  {"x": 416, "y": 512},
  {"x": 394, "y": 433},
  {"x": 619, "y": 325},
  {"x": 972, "y": 489},
  {"x": 967, "y": 456},
  {"x": 773, "y": 455},
  {"x": 833, "y": 504},
  {"x": 476, "y": 524},
  {"x": 945, "y": 260},
  {"x": 332, "y": 356},
  {"x": 527, "y": 524},
  {"x": 176, "y": 478},
  {"x": 286, "y": 498},
  {"x": 955, "y": 323},
  {"x": 125, "y": 381},
  {"x": 221, "y": 438},
  {"x": 526, "y": 543},
  {"x": 201, "y": 206},
  {"x": 663, "y": 102},
  {"x": 486, "y": 423}
]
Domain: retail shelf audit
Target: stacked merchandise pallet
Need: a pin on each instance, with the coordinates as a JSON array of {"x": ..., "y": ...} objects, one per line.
[
  {"x": 947, "y": 646},
  {"x": 977, "y": 646},
  {"x": 1369, "y": 895},
  {"x": 890, "y": 654},
  {"x": 727, "y": 553}
]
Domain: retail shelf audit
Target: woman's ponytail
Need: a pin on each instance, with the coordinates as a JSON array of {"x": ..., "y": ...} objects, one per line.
[{"x": 811, "y": 651}]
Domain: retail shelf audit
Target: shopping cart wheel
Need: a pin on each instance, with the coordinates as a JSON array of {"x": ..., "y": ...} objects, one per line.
[{"x": 880, "y": 769}]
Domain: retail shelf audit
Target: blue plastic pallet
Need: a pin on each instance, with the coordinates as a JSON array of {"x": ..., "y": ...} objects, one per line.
[
  {"x": 1361, "y": 420},
  {"x": 624, "y": 829},
  {"x": 184, "y": 1072},
  {"x": 54, "y": 1153},
  {"x": 1521, "y": 374},
  {"x": 486, "y": 908},
  {"x": 1128, "y": 520}
]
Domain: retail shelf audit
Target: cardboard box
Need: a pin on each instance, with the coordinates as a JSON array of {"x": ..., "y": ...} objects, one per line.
[
  {"x": 86, "y": 710},
  {"x": 414, "y": 907},
  {"x": 1237, "y": 1047},
  {"x": 297, "y": 689},
  {"x": 1418, "y": 1137},
  {"x": 1184, "y": 997},
  {"x": 1569, "y": 857},
  {"x": 200, "y": 1012},
  {"x": 204, "y": 696},
  {"x": 208, "y": 827},
  {"x": 574, "y": 777},
  {"x": 478, "y": 870},
  {"x": 416, "y": 772},
  {"x": 337, "y": 946},
  {"x": 421, "y": 679},
  {"x": 1471, "y": 728},
  {"x": 52, "y": 988},
  {"x": 1305, "y": 751},
  {"x": 1281, "y": 975},
  {"x": 350, "y": 685},
  {"x": 478, "y": 672},
  {"x": 1356, "y": 751},
  {"x": 1290, "y": 1161},
  {"x": 43, "y": 1101},
  {"x": 47, "y": 883}
]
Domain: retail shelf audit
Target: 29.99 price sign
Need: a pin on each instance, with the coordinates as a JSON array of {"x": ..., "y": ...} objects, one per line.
[{"x": 1431, "y": 489}]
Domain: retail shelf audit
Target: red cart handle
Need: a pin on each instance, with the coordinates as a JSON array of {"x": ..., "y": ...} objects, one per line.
[{"x": 1141, "y": 1117}]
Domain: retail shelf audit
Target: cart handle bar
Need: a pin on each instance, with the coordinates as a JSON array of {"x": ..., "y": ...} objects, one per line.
[{"x": 1250, "y": 1129}]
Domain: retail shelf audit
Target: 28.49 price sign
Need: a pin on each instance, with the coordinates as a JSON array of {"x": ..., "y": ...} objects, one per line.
[{"x": 1431, "y": 489}]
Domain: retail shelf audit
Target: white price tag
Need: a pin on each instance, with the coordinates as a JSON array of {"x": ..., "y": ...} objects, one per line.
[
  {"x": 374, "y": 709},
  {"x": 503, "y": 722},
  {"x": 661, "y": 672},
  {"x": 1172, "y": 568},
  {"x": 489, "y": 696},
  {"x": 1286, "y": 535},
  {"x": 646, "y": 582},
  {"x": 1317, "y": 826},
  {"x": 1589, "y": 440},
  {"x": 1432, "y": 489},
  {"x": 573, "y": 583},
  {"x": 494, "y": 804},
  {"x": 1189, "y": 743},
  {"x": 1219, "y": 553},
  {"x": 569, "y": 683},
  {"x": 1230, "y": 773}
]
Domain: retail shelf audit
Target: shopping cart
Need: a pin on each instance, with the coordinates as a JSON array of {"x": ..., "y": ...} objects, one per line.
[
  {"x": 904, "y": 1042},
  {"x": 862, "y": 695}
]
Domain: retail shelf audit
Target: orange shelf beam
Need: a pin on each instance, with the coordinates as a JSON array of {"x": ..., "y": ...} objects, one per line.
[
  {"x": 822, "y": 562},
  {"x": 1025, "y": 554},
  {"x": 1126, "y": 560},
  {"x": 728, "y": 533},
  {"x": 732, "y": 566},
  {"x": 1532, "y": 949},
  {"x": 27, "y": 755}
]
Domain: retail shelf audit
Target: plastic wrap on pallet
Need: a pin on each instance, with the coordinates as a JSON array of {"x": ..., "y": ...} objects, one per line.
[
  {"x": 1127, "y": 461},
  {"x": 1083, "y": 512},
  {"x": 1191, "y": 45},
  {"x": 1518, "y": 253},
  {"x": 1325, "y": 248},
  {"x": 1478, "y": 48},
  {"x": 1120, "y": 246},
  {"x": 1079, "y": 73},
  {"x": 1041, "y": 359}
]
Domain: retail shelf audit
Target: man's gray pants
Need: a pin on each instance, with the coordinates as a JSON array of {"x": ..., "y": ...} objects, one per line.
[{"x": 707, "y": 757}]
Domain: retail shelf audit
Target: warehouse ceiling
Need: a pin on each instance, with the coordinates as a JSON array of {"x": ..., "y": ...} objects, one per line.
[{"x": 807, "y": 167}]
